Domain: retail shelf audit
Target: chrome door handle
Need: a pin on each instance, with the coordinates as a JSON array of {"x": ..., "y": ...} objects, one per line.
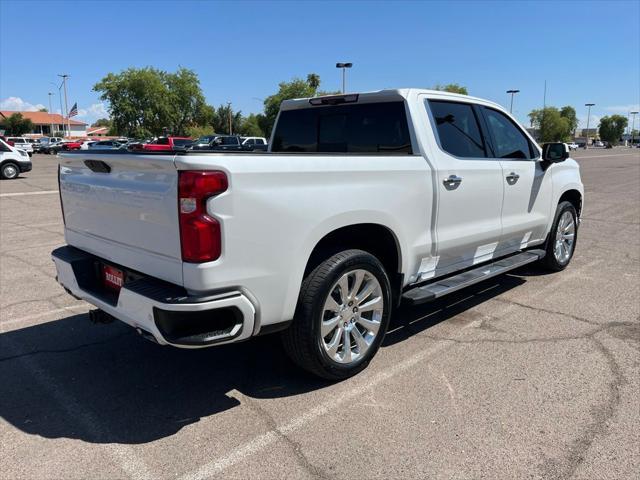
[
  {"x": 512, "y": 178},
  {"x": 452, "y": 181}
]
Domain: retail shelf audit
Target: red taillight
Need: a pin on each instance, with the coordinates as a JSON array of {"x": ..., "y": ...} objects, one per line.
[{"x": 200, "y": 234}]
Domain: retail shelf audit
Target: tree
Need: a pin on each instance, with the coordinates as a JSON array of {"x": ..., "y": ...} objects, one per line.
[
  {"x": 16, "y": 125},
  {"x": 551, "y": 125},
  {"x": 43, "y": 110},
  {"x": 102, "y": 122},
  {"x": 221, "y": 119},
  {"x": 452, "y": 87},
  {"x": 611, "y": 128},
  {"x": 145, "y": 101},
  {"x": 250, "y": 126},
  {"x": 569, "y": 113},
  {"x": 296, "y": 88}
]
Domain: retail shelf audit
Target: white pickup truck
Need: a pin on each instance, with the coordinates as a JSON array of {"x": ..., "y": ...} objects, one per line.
[{"x": 362, "y": 201}]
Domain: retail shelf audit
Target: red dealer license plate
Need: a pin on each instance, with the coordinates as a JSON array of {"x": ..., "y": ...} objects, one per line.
[{"x": 112, "y": 278}]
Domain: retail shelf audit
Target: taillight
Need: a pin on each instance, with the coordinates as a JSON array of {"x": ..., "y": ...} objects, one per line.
[{"x": 200, "y": 235}]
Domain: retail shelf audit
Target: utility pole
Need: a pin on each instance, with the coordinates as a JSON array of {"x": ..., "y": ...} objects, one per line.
[
  {"x": 229, "y": 111},
  {"x": 586, "y": 143},
  {"x": 66, "y": 105},
  {"x": 61, "y": 110},
  {"x": 512, "y": 92},
  {"x": 344, "y": 66},
  {"x": 633, "y": 126},
  {"x": 50, "y": 124}
]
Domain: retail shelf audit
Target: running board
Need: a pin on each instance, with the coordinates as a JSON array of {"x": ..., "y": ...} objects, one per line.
[{"x": 439, "y": 288}]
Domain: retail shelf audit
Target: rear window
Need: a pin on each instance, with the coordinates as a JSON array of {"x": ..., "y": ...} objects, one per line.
[{"x": 356, "y": 128}]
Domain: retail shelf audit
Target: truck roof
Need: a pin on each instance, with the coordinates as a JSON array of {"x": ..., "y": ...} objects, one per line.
[{"x": 386, "y": 95}]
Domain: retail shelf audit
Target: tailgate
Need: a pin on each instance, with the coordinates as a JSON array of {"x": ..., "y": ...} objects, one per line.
[{"x": 124, "y": 208}]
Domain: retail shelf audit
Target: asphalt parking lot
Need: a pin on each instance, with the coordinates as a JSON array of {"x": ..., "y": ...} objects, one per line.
[{"x": 525, "y": 376}]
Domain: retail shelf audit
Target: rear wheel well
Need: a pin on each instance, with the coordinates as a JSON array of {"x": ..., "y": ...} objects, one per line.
[
  {"x": 575, "y": 198},
  {"x": 370, "y": 237}
]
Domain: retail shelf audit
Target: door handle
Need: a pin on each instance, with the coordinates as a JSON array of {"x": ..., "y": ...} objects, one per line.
[
  {"x": 512, "y": 178},
  {"x": 452, "y": 181}
]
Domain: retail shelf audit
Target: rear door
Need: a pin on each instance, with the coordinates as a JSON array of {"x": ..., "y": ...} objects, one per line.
[
  {"x": 469, "y": 184},
  {"x": 124, "y": 208},
  {"x": 527, "y": 186}
]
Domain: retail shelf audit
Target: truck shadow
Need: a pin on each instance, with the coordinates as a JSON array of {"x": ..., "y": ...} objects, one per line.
[{"x": 104, "y": 384}]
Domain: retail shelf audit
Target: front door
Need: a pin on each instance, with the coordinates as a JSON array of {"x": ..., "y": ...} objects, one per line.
[
  {"x": 527, "y": 186},
  {"x": 470, "y": 187}
]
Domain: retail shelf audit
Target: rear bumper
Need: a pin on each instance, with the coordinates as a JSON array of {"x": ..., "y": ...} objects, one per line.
[{"x": 155, "y": 307}]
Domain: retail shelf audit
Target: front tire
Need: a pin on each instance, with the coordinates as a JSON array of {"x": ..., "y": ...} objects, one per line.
[
  {"x": 342, "y": 316},
  {"x": 562, "y": 239},
  {"x": 9, "y": 171}
]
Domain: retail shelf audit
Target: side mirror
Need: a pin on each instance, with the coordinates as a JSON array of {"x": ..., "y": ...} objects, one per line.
[{"x": 555, "y": 152}]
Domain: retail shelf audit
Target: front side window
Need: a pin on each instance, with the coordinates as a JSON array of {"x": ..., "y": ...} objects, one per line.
[
  {"x": 230, "y": 141},
  {"x": 458, "y": 129},
  {"x": 353, "y": 128},
  {"x": 509, "y": 141}
]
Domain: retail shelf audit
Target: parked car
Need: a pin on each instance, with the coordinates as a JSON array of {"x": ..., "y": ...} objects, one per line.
[
  {"x": 47, "y": 142},
  {"x": 254, "y": 143},
  {"x": 598, "y": 144},
  {"x": 86, "y": 144},
  {"x": 218, "y": 143},
  {"x": 309, "y": 238},
  {"x": 13, "y": 161},
  {"x": 105, "y": 145},
  {"x": 71, "y": 145},
  {"x": 572, "y": 145},
  {"x": 166, "y": 143},
  {"x": 21, "y": 143}
]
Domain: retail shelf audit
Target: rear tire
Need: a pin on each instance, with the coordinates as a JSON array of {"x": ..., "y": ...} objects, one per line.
[
  {"x": 9, "y": 171},
  {"x": 561, "y": 243},
  {"x": 344, "y": 300}
]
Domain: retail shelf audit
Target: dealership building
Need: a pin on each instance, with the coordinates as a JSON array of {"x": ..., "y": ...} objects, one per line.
[{"x": 46, "y": 124}]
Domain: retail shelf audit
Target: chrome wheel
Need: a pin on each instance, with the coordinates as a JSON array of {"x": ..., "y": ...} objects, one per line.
[
  {"x": 351, "y": 316},
  {"x": 10, "y": 171},
  {"x": 565, "y": 238}
]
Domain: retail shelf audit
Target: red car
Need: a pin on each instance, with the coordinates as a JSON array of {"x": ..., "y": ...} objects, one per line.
[
  {"x": 167, "y": 143},
  {"x": 72, "y": 145}
]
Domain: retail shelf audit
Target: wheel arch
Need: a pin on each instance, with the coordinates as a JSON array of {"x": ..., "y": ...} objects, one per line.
[{"x": 574, "y": 197}]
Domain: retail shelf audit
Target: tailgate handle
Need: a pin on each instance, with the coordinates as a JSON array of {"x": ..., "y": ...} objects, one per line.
[{"x": 97, "y": 166}]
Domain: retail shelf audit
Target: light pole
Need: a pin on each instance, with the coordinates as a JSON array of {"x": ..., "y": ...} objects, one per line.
[
  {"x": 512, "y": 92},
  {"x": 586, "y": 143},
  {"x": 229, "y": 111},
  {"x": 344, "y": 67},
  {"x": 633, "y": 124},
  {"x": 50, "y": 124},
  {"x": 66, "y": 104}
]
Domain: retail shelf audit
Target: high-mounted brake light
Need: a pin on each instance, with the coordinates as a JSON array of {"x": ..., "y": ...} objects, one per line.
[
  {"x": 200, "y": 234},
  {"x": 334, "y": 100}
]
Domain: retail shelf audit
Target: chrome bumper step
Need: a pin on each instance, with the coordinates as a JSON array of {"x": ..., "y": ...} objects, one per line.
[{"x": 438, "y": 288}]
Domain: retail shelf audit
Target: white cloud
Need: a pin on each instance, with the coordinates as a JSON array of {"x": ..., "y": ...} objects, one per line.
[
  {"x": 594, "y": 121},
  {"x": 93, "y": 112},
  {"x": 623, "y": 109},
  {"x": 16, "y": 103}
]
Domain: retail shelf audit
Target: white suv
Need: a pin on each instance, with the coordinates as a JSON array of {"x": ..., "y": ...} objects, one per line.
[{"x": 22, "y": 143}]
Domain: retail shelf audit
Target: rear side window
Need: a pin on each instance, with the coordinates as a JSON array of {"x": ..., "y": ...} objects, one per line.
[
  {"x": 230, "y": 141},
  {"x": 356, "y": 128},
  {"x": 458, "y": 129},
  {"x": 508, "y": 140},
  {"x": 259, "y": 141}
]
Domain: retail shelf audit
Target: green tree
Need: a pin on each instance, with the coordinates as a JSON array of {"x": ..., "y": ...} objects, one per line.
[
  {"x": 250, "y": 126},
  {"x": 452, "y": 87},
  {"x": 199, "y": 131},
  {"x": 551, "y": 125},
  {"x": 569, "y": 113},
  {"x": 102, "y": 122},
  {"x": 296, "y": 88},
  {"x": 611, "y": 128},
  {"x": 221, "y": 119},
  {"x": 145, "y": 101},
  {"x": 43, "y": 110},
  {"x": 16, "y": 125}
]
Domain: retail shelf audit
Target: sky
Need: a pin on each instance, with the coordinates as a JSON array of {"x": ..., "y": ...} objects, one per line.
[{"x": 587, "y": 51}]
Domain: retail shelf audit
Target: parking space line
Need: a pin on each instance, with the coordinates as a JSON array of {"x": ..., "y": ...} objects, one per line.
[
  {"x": 264, "y": 440},
  {"x": 24, "y": 194}
]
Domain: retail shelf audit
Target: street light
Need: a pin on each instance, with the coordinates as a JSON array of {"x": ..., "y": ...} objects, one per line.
[
  {"x": 586, "y": 143},
  {"x": 344, "y": 67},
  {"x": 50, "y": 123},
  {"x": 633, "y": 125},
  {"x": 512, "y": 92}
]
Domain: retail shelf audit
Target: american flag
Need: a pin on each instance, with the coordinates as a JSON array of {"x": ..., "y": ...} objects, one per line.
[{"x": 74, "y": 110}]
